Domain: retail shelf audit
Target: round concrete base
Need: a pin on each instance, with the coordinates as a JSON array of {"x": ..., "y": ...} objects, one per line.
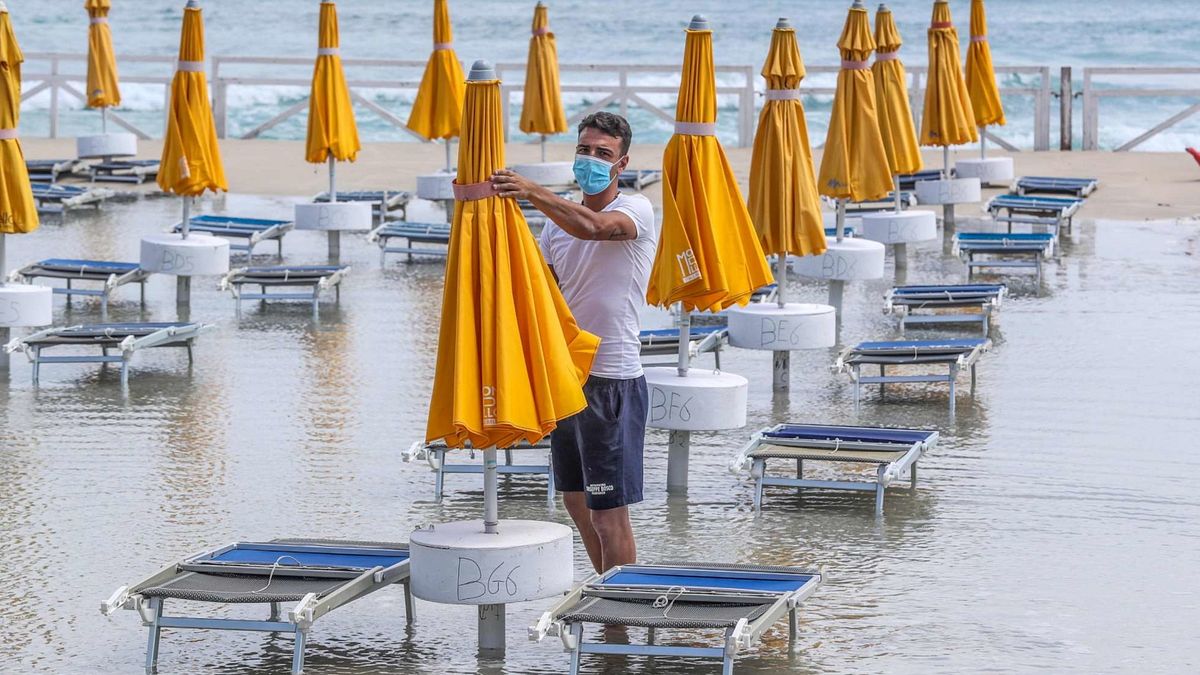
[
  {"x": 23, "y": 305},
  {"x": 989, "y": 171},
  {"x": 951, "y": 191},
  {"x": 436, "y": 186},
  {"x": 847, "y": 260},
  {"x": 197, "y": 256},
  {"x": 458, "y": 564},
  {"x": 767, "y": 326},
  {"x": 552, "y": 174},
  {"x": 705, "y": 400},
  {"x": 905, "y": 227},
  {"x": 334, "y": 217},
  {"x": 106, "y": 145}
]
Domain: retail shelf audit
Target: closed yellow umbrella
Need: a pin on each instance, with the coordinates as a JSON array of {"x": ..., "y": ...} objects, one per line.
[
  {"x": 102, "y": 89},
  {"x": 708, "y": 254},
  {"x": 854, "y": 163},
  {"x": 18, "y": 214},
  {"x": 437, "y": 110},
  {"x": 332, "y": 133},
  {"x": 981, "y": 76},
  {"x": 947, "y": 118},
  {"x": 511, "y": 360},
  {"x": 542, "y": 109},
  {"x": 891, "y": 98},
  {"x": 784, "y": 204}
]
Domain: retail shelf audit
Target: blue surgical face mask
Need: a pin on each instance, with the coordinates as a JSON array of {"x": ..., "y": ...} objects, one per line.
[{"x": 593, "y": 174}]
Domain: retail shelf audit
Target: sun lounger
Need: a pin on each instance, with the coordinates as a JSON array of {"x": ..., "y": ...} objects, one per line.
[
  {"x": 665, "y": 341},
  {"x": 767, "y": 293},
  {"x": 319, "y": 575},
  {"x": 129, "y": 171},
  {"x": 1022, "y": 250},
  {"x": 954, "y": 354},
  {"x": 1055, "y": 212},
  {"x": 744, "y": 601},
  {"x": 384, "y": 203},
  {"x": 437, "y": 234},
  {"x": 56, "y": 198},
  {"x": 907, "y": 199},
  {"x": 908, "y": 181},
  {"x": 893, "y": 452},
  {"x": 48, "y": 170},
  {"x": 638, "y": 179},
  {"x": 249, "y": 231},
  {"x": 946, "y": 304},
  {"x": 312, "y": 278},
  {"x": 110, "y": 276},
  {"x": 127, "y": 338},
  {"x": 437, "y": 453},
  {"x": 1079, "y": 187}
]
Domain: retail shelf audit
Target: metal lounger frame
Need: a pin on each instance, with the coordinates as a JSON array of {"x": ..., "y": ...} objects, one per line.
[
  {"x": 1034, "y": 212},
  {"x": 435, "y": 455},
  {"x": 434, "y": 233},
  {"x": 885, "y": 474},
  {"x": 966, "y": 359},
  {"x": 234, "y": 281},
  {"x": 170, "y": 336},
  {"x": 252, "y": 235},
  {"x": 129, "y": 172},
  {"x": 1080, "y": 187},
  {"x": 110, "y": 282},
  {"x": 388, "y": 202},
  {"x": 742, "y": 636},
  {"x": 53, "y": 198},
  {"x": 50, "y": 169},
  {"x": 1031, "y": 255},
  {"x": 299, "y": 619},
  {"x": 641, "y": 178},
  {"x": 700, "y": 344},
  {"x": 894, "y": 304}
]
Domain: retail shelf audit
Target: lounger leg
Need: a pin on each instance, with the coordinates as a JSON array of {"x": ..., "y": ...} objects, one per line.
[
  {"x": 124, "y": 372},
  {"x": 882, "y": 385},
  {"x": 793, "y": 629},
  {"x": 952, "y": 378},
  {"x": 550, "y": 483},
  {"x": 912, "y": 476},
  {"x": 508, "y": 457},
  {"x": 879, "y": 489},
  {"x": 439, "y": 476},
  {"x": 717, "y": 357},
  {"x": 155, "y": 632},
  {"x": 856, "y": 385},
  {"x": 37, "y": 363},
  {"x": 577, "y": 633},
  {"x": 410, "y": 608},
  {"x": 143, "y": 293},
  {"x": 279, "y": 247},
  {"x": 104, "y": 307},
  {"x": 298, "y": 653},
  {"x": 799, "y": 468},
  {"x": 191, "y": 356},
  {"x": 972, "y": 380},
  {"x": 760, "y": 470},
  {"x": 727, "y": 660},
  {"x": 276, "y": 608},
  {"x": 68, "y": 293}
]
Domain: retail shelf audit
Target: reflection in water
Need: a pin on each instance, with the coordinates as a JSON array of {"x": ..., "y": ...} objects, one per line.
[{"x": 1065, "y": 472}]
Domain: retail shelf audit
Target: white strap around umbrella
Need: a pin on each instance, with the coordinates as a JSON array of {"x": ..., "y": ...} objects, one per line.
[
  {"x": 978, "y": 38},
  {"x": 8, "y": 134},
  {"x": 887, "y": 56},
  {"x": 99, "y": 19},
  {"x": 782, "y": 94},
  {"x": 437, "y": 46},
  {"x": 696, "y": 128},
  {"x": 328, "y": 51},
  {"x": 190, "y": 66}
]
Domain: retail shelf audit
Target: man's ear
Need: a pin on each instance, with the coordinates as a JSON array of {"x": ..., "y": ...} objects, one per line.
[{"x": 623, "y": 163}]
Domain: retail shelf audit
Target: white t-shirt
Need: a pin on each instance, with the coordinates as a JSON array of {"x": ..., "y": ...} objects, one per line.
[{"x": 604, "y": 284}]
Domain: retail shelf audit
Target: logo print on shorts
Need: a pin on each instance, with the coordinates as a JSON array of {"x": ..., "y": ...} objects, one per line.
[
  {"x": 688, "y": 268},
  {"x": 599, "y": 488},
  {"x": 489, "y": 405}
]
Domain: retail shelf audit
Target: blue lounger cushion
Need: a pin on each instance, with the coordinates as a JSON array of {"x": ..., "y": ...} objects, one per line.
[
  {"x": 1036, "y": 200},
  {"x": 850, "y": 434},
  {"x": 696, "y": 331},
  {"x": 902, "y": 345},
  {"x": 1058, "y": 179},
  {"x": 237, "y": 222},
  {"x": 711, "y": 579},
  {"x": 959, "y": 288},
  {"x": 268, "y": 555},
  {"x": 91, "y": 265}
]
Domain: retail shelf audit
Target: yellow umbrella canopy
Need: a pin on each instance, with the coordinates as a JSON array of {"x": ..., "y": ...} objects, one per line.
[
  {"x": 708, "y": 254},
  {"x": 542, "y": 110},
  {"x": 891, "y": 97},
  {"x": 511, "y": 360},
  {"x": 102, "y": 89},
  {"x": 981, "y": 76},
  {"x": 854, "y": 163},
  {"x": 331, "y": 128},
  {"x": 191, "y": 158},
  {"x": 784, "y": 203},
  {"x": 439, "y": 104},
  {"x": 18, "y": 214},
  {"x": 947, "y": 118}
]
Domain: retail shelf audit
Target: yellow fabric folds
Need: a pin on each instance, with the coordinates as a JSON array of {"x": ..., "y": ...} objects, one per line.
[
  {"x": 854, "y": 163},
  {"x": 437, "y": 110},
  {"x": 511, "y": 360},
  {"x": 784, "y": 204},
  {"x": 981, "y": 75},
  {"x": 191, "y": 158},
  {"x": 542, "y": 110},
  {"x": 18, "y": 214},
  {"x": 891, "y": 98},
  {"x": 102, "y": 89},
  {"x": 331, "y": 127},
  {"x": 708, "y": 254},
  {"x": 947, "y": 118}
]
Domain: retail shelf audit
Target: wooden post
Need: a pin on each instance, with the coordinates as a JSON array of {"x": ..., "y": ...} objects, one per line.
[{"x": 1065, "y": 99}]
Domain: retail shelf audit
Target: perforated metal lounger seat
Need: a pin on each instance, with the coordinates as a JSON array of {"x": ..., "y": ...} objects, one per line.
[
  {"x": 1007, "y": 249},
  {"x": 110, "y": 275},
  {"x": 908, "y": 181},
  {"x": 48, "y": 169},
  {"x": 1080, "y": 187},
  {"x": 56, "y": 198},
  {"x": 437, "y": 453},
  {"x": 1034, "y": 210},
  {"x": 250, "y": 231},
  {"x": 955, "y": 354},
  {"x": 315, "y": 277},
  {"x": 126, "y": 337},
  {"x": 320, "y": 575},
  {"x": 892, "y": 451},
  {"x": 638, "y": 179},
  {"x": 905, "y": 301},
  {"x": 437, "y": 234},
  {"x": 664, "y": 341},
  {"x": 743, "y": 600},
  {"x": 384, "y": 203},
  {"x": 131, "y": 171}
]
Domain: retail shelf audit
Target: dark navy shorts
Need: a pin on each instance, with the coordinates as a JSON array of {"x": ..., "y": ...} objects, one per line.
[{"x": 599, "y": 450}]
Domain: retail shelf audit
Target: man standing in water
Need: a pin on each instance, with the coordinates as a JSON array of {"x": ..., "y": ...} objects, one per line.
[{"x": 600, "y": 252}]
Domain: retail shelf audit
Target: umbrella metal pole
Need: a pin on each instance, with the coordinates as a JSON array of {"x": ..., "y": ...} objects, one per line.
[
  {"x": 335, "y": 237},
  {"x": 678, "y": 445},
  {"x": 837, "y": 286},
  {"x": 543, "y": 148},
  {"x": 780, "y": 277},
  {"x": 896, "y": 191},
  {"x": 782, "y": 361},
  {"x": 685, "y": 340},
  {"x": 947, "y": 209},
  {"x": 5, "y": 333},
  {"x": 491, "y": 509},
  {"x": 104, "y": 120},
  {"x": 447, "y": 155},
  {"x": 183, "y": 285},
  {"x": 982, "y": 143}
]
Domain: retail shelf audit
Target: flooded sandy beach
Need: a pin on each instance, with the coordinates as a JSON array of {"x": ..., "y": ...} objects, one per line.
[{"x": 1053, "y": 528}]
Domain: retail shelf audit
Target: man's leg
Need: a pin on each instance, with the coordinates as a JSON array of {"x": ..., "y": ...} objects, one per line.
[
  {"x": 577, "y": 506},
  {"x": 615, "y": 535}
]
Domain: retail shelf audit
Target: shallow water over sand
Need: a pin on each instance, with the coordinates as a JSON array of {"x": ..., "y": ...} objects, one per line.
[{"x": 1054, "y": 527}]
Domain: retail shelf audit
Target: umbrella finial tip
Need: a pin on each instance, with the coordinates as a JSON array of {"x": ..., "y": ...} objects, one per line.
[
  {"x": 698, "y": 23},
  {"x": 193, "y": 4},
  {"x": 858, "y": 4},
  {"x": 3, "y": 7},
  {"x": 883, "y": 7},
  {"x": 481, "y": 70},
  {"x": 783, "y": 23}
]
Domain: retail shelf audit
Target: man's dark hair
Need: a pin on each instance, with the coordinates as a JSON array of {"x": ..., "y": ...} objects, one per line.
[{"x": 610, "y": 124}]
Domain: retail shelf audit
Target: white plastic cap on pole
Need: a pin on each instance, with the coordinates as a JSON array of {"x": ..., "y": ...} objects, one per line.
[
  {"x": 481, "y": 70},
  {"x": 698, "y": 23},
  {"x": 783, "y": 23}
]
